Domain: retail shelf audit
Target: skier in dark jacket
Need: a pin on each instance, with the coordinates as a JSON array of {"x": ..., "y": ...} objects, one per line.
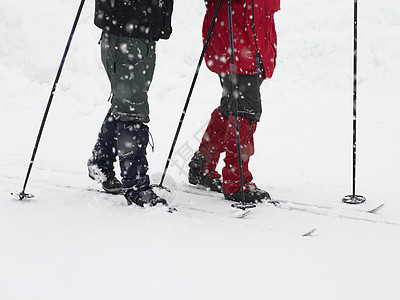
[
  {"x": 255, "y": 54},
  {"x": 130, "y": 30}
]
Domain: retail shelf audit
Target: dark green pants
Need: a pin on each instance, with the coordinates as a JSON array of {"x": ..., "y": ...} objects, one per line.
[{"x": 129, "y": 63}]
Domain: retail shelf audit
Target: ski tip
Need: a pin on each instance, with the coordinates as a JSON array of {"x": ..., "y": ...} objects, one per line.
[
  {"x": 309, "y": 233},
  {"x": 243, "y": 214},
  {"x": 376, "y": 209}
]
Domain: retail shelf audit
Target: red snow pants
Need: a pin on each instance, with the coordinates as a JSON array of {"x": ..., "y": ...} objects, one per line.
[
  {"x": 212, "y": 143},
  {"x": 220, "y": 136},
  {"x": 230, "y": 172}
]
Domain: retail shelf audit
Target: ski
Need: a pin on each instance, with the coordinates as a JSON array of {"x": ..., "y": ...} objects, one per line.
[
  {"x": 322, "y": 210},
  {"x": 202, "y": 191},
  {"x": 199, "y": 190},
  {"x": 358, "y": 215},
  {"x": 244, "y": 214},
  {"x": 325, "y": 207},
  {"x": 170, "y": 209},
  {"x": 103, "y": 191}
]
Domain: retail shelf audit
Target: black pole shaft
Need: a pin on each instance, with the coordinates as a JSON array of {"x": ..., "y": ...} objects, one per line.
[
  {"x": 355, "y": 98},
  {"x": 22, "y": 194},
  {"x": 354, "y": 199},
  {"x": 190, "y": 93},
  {"x": 235, "y": 96}
]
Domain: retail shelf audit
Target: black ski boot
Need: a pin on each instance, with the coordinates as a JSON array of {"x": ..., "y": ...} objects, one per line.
[
  {"x": 264, "y": 195},
  {"x": 144, "y": 197},
  {"x": 197, "y": 177},
  {"x": 252, "y": 195},
  {"x": 112, "y": 185},
  {"x": 249, "y": 197},
  {"x": 109, "y": 183}
]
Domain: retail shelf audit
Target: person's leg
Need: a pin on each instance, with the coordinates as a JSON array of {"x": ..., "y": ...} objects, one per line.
[
  {"x": 249, "y": 96},
  {"x": 249, "y": 113},
  {"x": 212, "y": 144},
  {"x": 132, "y": 140},
  {"x": 131, "y": 72},
  {"x": 104, "y": 151},
  {"x": 230, "y": 172},
  {"x": 101, "y": 163},
  {"x": 202, "y": 167}
]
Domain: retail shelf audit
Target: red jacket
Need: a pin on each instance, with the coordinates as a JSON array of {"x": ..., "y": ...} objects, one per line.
[{"x": 246, "y": 40}]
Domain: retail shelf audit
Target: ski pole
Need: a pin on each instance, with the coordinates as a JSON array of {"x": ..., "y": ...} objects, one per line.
[
  {"x": 23, "y": 195},
  {"x": 354, "y": 199},
  {"x": 235, "y": 96},
  {"x": 190, "y": 93}
]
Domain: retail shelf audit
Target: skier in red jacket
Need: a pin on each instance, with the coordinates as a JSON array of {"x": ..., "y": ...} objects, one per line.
[{"x": 254, "y": 40}]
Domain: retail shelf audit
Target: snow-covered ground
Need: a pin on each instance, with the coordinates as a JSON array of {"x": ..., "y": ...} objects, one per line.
[{"x": 72, "y": 243}]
